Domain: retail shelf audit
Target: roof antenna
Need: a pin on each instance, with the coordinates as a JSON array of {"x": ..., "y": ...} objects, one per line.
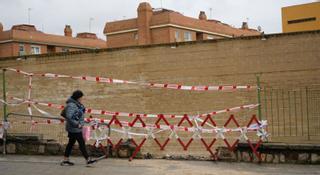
[
  {"x": 90, "y": 20},
  {"x": 210, "y": 13},
  {"x": 29, "y": 10},
  {"x": 161, "y": 4}
]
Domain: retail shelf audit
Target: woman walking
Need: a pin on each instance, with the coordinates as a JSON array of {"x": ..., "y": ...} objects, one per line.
[{"x": 74, "y": 115}]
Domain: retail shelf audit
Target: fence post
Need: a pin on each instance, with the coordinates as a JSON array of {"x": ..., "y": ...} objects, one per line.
[
  {"x": 307, "y": 105},
  {"x": 259, "y": 95},
  {"x": 4, "y": 109}
]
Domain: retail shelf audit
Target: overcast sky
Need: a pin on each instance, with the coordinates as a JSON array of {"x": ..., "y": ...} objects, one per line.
[{"x": 51, "y": 16}]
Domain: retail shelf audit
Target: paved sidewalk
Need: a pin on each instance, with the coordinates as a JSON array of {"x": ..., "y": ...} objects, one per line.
[{"x": 49, "y": 165}]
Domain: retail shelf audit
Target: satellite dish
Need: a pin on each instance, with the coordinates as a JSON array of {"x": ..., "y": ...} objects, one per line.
[{"x": 259, "y": 28}]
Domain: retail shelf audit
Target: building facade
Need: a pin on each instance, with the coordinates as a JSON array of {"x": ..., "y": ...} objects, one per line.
[
  {"x": 156, "y": 26},
  {"x": 303, "y": 17},
  {"x": 288, "y": 65},
  {"x": 25, "y": 39}
]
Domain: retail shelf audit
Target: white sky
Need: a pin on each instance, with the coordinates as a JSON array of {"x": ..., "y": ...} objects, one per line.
[{"x": 51, "y": 16}]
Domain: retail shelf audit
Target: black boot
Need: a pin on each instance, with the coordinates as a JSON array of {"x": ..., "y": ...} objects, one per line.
[{"x": 66, "y": 163}]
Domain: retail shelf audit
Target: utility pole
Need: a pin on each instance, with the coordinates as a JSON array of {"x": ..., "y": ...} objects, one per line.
[{"x": 161, "y": 4}]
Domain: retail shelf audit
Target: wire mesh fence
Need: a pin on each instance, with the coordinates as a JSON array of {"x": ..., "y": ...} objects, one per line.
[{"x": 293, "y": 114}]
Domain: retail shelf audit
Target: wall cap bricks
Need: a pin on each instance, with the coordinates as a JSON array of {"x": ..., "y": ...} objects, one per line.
[{"x": 267, "y": 36}]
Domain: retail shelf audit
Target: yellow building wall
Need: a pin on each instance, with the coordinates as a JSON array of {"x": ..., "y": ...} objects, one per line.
[{"x": 300, "y": 12}]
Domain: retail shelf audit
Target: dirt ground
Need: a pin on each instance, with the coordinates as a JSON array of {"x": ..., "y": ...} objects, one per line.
[{"x": 49, "y": 165}]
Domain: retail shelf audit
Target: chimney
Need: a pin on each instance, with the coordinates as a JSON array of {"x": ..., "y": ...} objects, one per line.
[
  {"x": 144, "y": 18},
  {"x": 87, "y": 35},
  {"x": 202, "y": 15},
  {"x": 24, "y": 27},
  {"x": 1, "y": 27},
  {"x": 245, "y": 25},
  {"x": 68, "y": 31}
]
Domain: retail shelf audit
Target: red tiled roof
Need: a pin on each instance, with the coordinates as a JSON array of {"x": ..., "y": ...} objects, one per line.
[
  {"x": 172, "y": 17},
  {"x": 120, "y": 25},
  {"x": 211, "y": 26},
  {"x": 34, "y": 36}
]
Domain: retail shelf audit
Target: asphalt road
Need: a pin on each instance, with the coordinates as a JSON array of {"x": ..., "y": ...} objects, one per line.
[{"x": 49, "y": 165}]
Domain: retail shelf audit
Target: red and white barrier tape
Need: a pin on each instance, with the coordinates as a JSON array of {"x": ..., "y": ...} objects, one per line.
[
  {"x": 175, "y": 128},
  {"x": 123, "y": 124},
  {"x": 29, "y": 94},
  {"x": 126, "y": 114},
  {"x": 155, "y": 85},
  {"x": 197, "y": 130},
  {"x": 13, "y": 104},
  {"x": 258, "y": 127}
]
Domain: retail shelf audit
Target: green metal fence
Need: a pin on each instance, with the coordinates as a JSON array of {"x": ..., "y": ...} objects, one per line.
[{"x": 293, "y": 114}]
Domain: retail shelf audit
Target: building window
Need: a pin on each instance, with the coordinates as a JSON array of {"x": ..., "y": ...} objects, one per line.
[
  {"x": 136, "y": 36},
  {"x": 187, "y": 36},
  {"x": 51, "y": 49},
  {"x": 35, "y": 50},
  {"x": 210, "y": 37},
  {"x": 65, "y": 49},
  {"x": 21, "y": 49},
  {"x": 302, "y": 20},
  {"x": 177, "y": 36}
]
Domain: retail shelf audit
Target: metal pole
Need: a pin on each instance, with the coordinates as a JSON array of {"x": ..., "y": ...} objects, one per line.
[
  {"x": 295, "y": 110},
  {"x": 108, "y": 143},
  {"x": 271, "y": 109},
  {"x": 90, "y": 20},
  {"x": 302, "y": 130},
  {"x": 259, "y": 95},
  {"x": 278, "y": 111},
  {"x": 29, "y": 9},
  {"x": 4, "y": 109},
  {"x": 283, "y": 113},
  {"x": 289, "y": 114},
  {"x": 307, "y": 106},
  {"x": 265, "y": 102}
]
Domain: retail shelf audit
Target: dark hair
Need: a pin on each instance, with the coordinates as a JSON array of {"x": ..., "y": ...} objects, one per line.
[{"x": 77, "y": 94}]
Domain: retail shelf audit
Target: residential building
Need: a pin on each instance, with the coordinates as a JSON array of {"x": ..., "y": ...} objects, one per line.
[
  {"x": 156, "y": 26},
  {"x": 304, "y": 17},
  {"x": 25, "y": 39}
]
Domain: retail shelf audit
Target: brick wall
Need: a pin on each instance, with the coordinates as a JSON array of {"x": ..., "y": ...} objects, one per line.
[
  {"x": 122, "y": 40},
  {"x": 284, "y": 61},
  {"x": 6, "y": 49},
  {"x": 160, "y": 35}
]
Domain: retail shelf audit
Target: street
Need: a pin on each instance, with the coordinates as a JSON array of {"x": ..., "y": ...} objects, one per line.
[{"x": 49, "y": 165}]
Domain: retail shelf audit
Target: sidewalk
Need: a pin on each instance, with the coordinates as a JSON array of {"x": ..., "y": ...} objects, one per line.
[{"x": 49, "y": 165}]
